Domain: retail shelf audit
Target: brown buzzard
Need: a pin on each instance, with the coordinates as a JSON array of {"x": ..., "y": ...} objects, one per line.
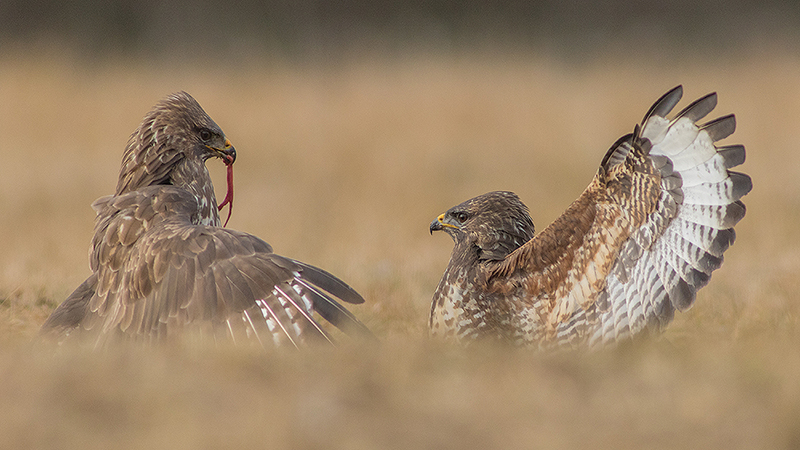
[
  {"x": 633, "y": 248},
  {"x": 162, "y": 264}
]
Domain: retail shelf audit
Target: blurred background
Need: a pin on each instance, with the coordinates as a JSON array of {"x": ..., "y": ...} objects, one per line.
[
  {"x": 322, "y": 31},
  {"x": 357, "y": 123}
]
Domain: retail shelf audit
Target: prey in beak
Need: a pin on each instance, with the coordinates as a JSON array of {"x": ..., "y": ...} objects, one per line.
[{"x": 228, "y": 156}]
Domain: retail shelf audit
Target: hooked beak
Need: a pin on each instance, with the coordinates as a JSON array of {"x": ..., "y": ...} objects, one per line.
[
  {"x": 227, "y": 154},
  {"x": 439, "y": 224}
]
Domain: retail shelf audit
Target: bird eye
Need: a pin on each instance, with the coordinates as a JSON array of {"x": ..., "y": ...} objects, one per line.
[
  {"x": 205, "y": 135},
  {"x": 461, "y": 216}
]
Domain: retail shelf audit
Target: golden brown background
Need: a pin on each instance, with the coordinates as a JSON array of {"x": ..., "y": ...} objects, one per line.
[{"x": 356, "y": 124}]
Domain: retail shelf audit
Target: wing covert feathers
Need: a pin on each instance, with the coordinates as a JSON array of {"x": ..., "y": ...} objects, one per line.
[
  {"x": 639, "y": 242},
  {"x": 162, "y": 266},
  {"x": 158, "y": 274}
]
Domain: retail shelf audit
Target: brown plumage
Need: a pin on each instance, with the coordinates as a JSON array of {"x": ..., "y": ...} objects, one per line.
[
  {"x": 162, "y": 265},
  {"x": 639, "y": 242}
]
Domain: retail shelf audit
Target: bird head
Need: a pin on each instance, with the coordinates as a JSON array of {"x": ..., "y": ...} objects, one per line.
[
  {"x": 171, "y": 146},
  {"x": 492, "y": 224}
]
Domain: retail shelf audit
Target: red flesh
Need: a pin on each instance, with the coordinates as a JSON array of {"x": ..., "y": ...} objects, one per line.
[{"x": 228, "y": 200}]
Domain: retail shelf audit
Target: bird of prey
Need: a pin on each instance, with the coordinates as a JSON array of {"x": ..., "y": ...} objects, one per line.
[
  {"x": 636, "y": 245},
  {"x": 163, "y": 266}
]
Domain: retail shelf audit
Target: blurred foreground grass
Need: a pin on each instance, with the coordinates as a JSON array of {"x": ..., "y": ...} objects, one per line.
[
  {"x": 405, "y": 394},
  {"x": 344, "y": 166}
]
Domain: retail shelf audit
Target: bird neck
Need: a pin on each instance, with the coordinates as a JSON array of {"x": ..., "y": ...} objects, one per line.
[
  {"x": 193, "y": 176},
  {"x": 468, "y": 252}
]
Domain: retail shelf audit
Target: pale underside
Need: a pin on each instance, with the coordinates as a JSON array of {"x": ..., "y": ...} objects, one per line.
[{"x": 635, "y": 246}]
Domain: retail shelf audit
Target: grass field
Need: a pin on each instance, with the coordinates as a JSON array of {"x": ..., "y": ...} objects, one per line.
[{"x": 344, "y": 166}]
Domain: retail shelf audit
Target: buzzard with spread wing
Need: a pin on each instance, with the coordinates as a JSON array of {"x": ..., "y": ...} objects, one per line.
[
  {"x": 633, "y": 248},
  {"x": 162, "y": 265}
]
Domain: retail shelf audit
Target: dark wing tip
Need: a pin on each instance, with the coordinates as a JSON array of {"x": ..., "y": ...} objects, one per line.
[
  {"x": 338, "y": 316},
  {"x": 682, "y": 295},
  {"x": 664, "y": 105},
  {"x": 330, "y": 283},
  {"x": 732, "y": 155},
  {"x": 742, "y": 184},
  {"x": 720, "y": 128},
  {"x": 699, "y": 108},
  {"x": 71, "y": 312},
  {"x": 724, "y": 239},
  {"x": 734, "y": 212}
]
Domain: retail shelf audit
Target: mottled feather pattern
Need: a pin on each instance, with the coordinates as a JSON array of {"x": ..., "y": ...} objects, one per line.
[
  {"x": 465, "y": 316},
  {"x": 159, "y": 284},
  {"x": 636, "y": 246},
  {"x": 677, "y": 254},
  {"x": 163, "y": 267}
]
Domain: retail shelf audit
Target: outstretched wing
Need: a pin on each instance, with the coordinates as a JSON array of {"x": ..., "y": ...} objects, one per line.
[
  {"x": 159, "y": 273},
  {"x": 641, "y": 239},
  {"x": 71, "y": 312}
]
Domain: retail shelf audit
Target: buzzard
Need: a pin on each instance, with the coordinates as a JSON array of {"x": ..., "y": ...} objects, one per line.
[
  {"x": 636, "y": 245},
  {"x": 162, "y": 265}
]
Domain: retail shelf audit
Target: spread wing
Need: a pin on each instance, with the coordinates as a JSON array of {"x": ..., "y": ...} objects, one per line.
[
  {"x": 157, "y": 273},
  {"x": 641, "y": 239},
  {"x": 70, "y": 313}
]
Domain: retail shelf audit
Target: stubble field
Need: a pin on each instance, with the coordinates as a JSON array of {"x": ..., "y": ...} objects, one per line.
[{"x": 344, "y": 166}]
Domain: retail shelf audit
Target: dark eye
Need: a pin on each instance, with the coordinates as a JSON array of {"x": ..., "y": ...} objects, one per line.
[
  {"x": 461, "y": 216},
  {"x": 205, "y": 135}
]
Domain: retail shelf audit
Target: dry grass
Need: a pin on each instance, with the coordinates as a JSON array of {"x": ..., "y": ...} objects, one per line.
[{"x": 345, "y": 167}]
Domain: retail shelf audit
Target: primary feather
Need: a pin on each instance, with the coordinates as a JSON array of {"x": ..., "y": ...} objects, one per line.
[
  {"x": 638, "y": 243},
  {"x": 162, "y": 265}
]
